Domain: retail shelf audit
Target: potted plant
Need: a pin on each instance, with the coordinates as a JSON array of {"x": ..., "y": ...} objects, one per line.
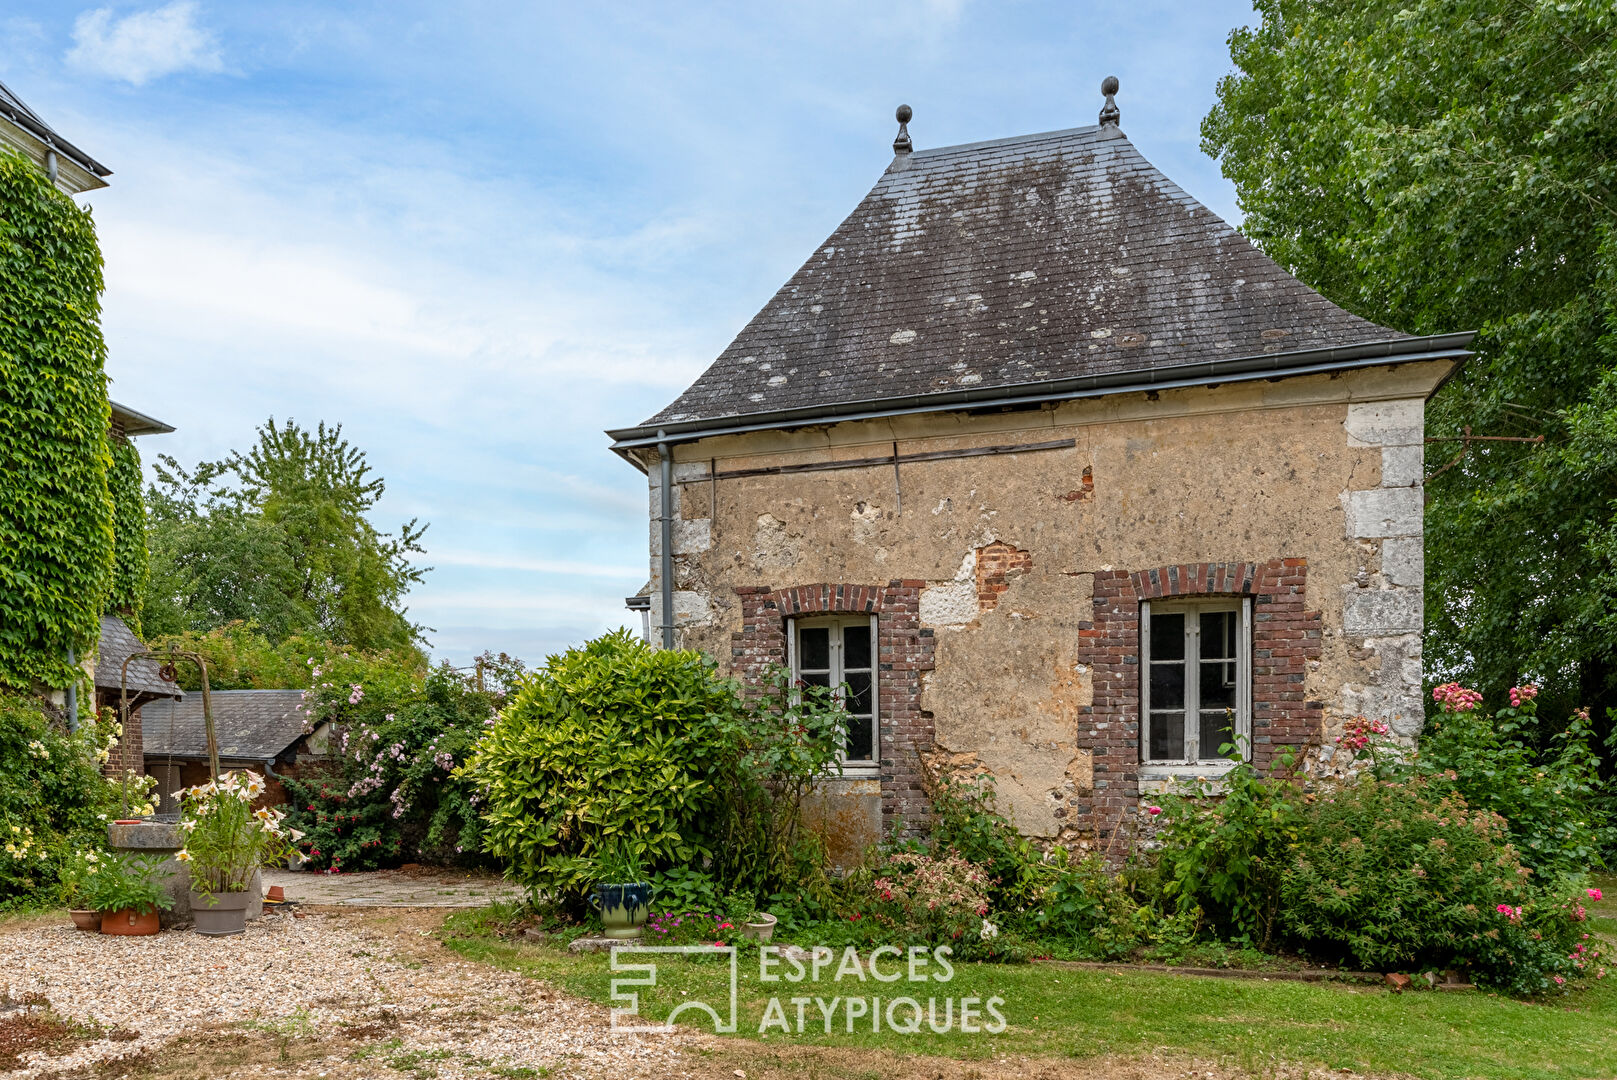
[
  {"x": 126, "y": 891},
  {"x": 621, "y": 893},
  {"x": 226, "y": 841},
  {"x": 85, "y": 865},
  {"x": 755, "y": 924}
]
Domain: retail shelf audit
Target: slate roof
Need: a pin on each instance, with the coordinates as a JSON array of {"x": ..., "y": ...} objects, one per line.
[
  {"x": 250, "y": 725},
  {"x": 14, "y": 109},
  {"x": 974, "y": 269},
  {"x": 116, "y": 644}
]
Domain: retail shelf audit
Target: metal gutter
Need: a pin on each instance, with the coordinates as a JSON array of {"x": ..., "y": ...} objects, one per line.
[
  {"x": 667, "y": 561},
  {"x": 1242, "y": 369}
]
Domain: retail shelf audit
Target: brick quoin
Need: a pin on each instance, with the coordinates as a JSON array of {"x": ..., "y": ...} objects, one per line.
[
  {"x": 1285, "y": 636},
  {"x": 904, "y": 653}
]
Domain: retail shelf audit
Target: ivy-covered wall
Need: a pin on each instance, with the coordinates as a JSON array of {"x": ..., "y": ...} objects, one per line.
[
  {"x": 56, "y": 513},
  {"x": 127, "y": 588}
]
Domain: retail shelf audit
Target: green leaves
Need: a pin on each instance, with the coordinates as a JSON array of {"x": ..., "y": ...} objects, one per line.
[
  {"x": 612, "y": 743},
  {"x": 1441, "y": 165},
  {"x": 280, "y": 537},
  {"x": 56, "y": 514}
]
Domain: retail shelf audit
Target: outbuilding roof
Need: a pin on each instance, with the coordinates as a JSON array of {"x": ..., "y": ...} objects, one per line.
[
  {"x": 250, "y": 725},
  {"x": 116, "y": 645},
  {"x": 979, "y": 272}
]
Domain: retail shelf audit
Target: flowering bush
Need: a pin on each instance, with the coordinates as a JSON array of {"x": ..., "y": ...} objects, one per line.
[
  {"x": 1550, "y": 799},
  {"x": 394, "y": 792},
  {"x": 54, "y": 802},
  {"x": 121, "y": 883},
  {"x": 931, "y": 896},
  {"x": 1407, "y": 875},
  {"x": 226, "y": 840},
  {"x": 691, "y": 928}
]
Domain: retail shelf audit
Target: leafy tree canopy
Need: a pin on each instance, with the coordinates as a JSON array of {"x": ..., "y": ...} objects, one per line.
[
  {"x": 280, "y": 538},
  {"x": 1441, "y": 165}
]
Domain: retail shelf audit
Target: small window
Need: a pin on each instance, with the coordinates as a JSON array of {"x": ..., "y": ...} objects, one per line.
[
  {"x": 1195, "y": 691},
  {"x": 841, "y": 653}
]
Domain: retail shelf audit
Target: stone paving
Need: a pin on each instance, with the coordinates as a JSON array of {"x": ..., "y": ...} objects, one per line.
[{"x": 406, "y": 888}]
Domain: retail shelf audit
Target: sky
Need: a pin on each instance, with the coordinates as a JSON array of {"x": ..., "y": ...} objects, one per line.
[{"x": 477, "y": 234}]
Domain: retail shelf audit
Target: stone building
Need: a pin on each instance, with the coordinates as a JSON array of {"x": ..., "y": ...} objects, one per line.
[{"x": 1065, "y": 480}]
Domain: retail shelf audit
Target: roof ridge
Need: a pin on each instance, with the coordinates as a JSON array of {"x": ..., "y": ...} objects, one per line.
[{"x": 1037, "y": 136}]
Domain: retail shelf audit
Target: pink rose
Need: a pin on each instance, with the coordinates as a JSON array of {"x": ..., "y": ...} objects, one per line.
[
  {"x": 1155, "y": 810},
  {"x": 1594, "y": 894}
]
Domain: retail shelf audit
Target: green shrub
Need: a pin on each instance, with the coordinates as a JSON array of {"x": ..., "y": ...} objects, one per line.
[
  {"x": 1402, "y": 875},
  {"x": 1228, "y": 856},
  {"x": 56, "y": 543},
  {"x": 611, "y": 741},
  {"x": 1087, "y": 905},
  {"x": 54, "y": 802},
  {"x": 679, "y": 889},
  {"x": 965, "y": 819}
]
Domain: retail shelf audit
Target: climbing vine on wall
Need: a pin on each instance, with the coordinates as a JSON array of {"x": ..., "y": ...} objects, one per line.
[
  {"x": 129, "y": 564},
  {"x": 56, "y": 515}
]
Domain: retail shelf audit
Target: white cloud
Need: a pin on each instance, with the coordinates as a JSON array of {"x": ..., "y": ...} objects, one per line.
[
  {"x": 533, "y": 566},
  {"x": 144, "y": 45}
]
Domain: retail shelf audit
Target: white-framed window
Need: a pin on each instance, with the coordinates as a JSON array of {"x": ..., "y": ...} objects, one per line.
[
  {"x": 1196, "y": 682},
  {"x": 840, "y": 652}
]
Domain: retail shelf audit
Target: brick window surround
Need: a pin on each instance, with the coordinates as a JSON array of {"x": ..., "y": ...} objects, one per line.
[
  {"x": 904, "y": 651},
  {"x": 1285, "y": 636}
]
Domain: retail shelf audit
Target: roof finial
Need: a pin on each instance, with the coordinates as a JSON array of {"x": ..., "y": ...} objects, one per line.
[
  {"x": 902, "y": 144},
  {"x": 1108, "y": 112}
]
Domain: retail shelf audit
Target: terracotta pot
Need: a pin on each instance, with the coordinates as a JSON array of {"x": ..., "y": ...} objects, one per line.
[
  {"x": 86, "y": 920},
  {"x": 223, "y": 913},
  {"x": 130, "y": 923},
  {"x": 276, "y": 894}
]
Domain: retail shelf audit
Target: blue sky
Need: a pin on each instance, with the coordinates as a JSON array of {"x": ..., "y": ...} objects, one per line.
[{"x": 477, "y": 234}]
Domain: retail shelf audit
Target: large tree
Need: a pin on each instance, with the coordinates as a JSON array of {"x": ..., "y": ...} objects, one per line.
[
  {"x": 280, "y": 537},
  {"x": 1440, "y": 165}
]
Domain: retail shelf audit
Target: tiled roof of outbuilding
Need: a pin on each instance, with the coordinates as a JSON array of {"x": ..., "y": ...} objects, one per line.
[
  {"x": 1007, "y": 264},
  {"x": 250, "y": 725},
  {"x": 117, "y": 644}
]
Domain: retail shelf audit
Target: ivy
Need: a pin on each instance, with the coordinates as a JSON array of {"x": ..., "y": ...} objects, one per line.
[
  {"x": 129, "y": 564},
  {"x": 56, "y": 514}
]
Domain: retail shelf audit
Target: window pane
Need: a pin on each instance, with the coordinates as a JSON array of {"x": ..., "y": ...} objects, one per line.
[
  {"x": 1168, "y": 686},
  {"x": 814, "y": 649},
  {"x": 1218, "y": 635},
  {"x": 860, "y": 747},
  {"x": 1167, "y": 736},
  {"x": 856, "y": 646},
  {"x": 816, "y": 678},
  {"x": 1168, "y": 635},
  {"x": 858, "y": 701},
  {"x": 1216, "y": 732},
  {"x": 1218, "y": 684}
]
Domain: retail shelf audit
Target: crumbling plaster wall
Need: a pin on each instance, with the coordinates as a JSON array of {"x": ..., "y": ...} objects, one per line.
[{"x": 1325, "y": 468}]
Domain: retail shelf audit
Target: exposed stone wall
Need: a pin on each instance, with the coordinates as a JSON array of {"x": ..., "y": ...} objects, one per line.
[{"x": 1006, "y": 555}]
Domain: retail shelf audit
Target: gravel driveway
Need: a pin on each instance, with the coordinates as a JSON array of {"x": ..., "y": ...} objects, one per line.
[{"x": 342, "y": 994}]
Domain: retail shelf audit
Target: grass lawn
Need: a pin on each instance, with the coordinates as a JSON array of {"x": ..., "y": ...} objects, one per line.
[{"x": 1052, "y": 1011}]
